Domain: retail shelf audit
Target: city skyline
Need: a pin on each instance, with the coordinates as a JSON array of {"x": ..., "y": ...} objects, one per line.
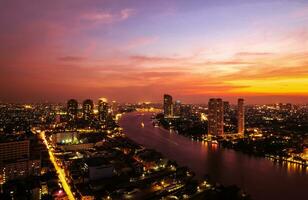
[
  {"x": 165, "y": 99},
  {"x": 136, "y": 51}
]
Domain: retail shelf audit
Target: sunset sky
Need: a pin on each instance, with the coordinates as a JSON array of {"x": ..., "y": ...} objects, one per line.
[{"x": 139, "y": 50}]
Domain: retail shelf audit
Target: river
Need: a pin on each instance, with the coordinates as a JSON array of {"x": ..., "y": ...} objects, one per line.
[{"x": 259, "y": 177}]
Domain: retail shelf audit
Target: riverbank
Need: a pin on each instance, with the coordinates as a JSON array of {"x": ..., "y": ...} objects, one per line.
[
  {"x": 180, "y": 181},
  {"x": 266, "y": 147},
  {"x": 255, "y": 175}
]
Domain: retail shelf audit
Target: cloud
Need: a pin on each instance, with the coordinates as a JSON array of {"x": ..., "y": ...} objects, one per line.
[
  {"x": 86, "y": 49},
  {"x": 254, "y": 54},
  {"x": 154, "y": 59},
  {"x": 107, "y": 16},
  {"x": 126, "y": 13},
  {"x": 229, "y": 62},
  {"x": 99, "y": 16},
  {"x": 139, "y": 42},
  {"x": 72, "y": 58}
]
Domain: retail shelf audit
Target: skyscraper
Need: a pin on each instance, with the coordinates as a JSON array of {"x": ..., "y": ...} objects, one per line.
[
  {"x": 72, "y": 109},
  {"x": 240, "y": 116},
  {"x": 103, "y": 109},
  {"x": 215, "y": 117},
  {"x": 177, "y": 108},
  {"x": 168, "y": 106},
  {"x": 114, "y": 107},
  {"x": 226, "y": 106},
  {"x": 87, "y": 108}
]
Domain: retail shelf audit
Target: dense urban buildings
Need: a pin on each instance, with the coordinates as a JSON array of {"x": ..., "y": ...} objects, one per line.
[
  {"x": 67, "y": 159},
  {"x": 215, "y": 117},
  {"x": 71, "y": 153},
  {"x": 153, "y": 100}
]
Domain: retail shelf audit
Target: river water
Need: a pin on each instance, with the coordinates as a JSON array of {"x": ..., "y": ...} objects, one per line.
[{"x": 259, "y": 177}]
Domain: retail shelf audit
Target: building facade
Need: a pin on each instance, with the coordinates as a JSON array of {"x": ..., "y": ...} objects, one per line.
[
  {"x": 240, "y": 116},
  {"x": 87, "y": 108},
  {"x": 215, "y": 117},
  {"x": 168, "y": 106},
  {"x": 103, "y": 109},
  {"x": 177, "y": 108},
  {"x": 15, "y": 160},
  {"x": 72, "y": 110}
]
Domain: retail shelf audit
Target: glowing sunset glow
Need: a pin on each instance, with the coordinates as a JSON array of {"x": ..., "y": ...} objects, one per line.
[
  {"x": 138, "y": 50},
  {"x": 276, "y": 86}
]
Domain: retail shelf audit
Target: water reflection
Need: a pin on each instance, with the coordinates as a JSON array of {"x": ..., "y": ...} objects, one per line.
[{"x": 260, "y": 177}]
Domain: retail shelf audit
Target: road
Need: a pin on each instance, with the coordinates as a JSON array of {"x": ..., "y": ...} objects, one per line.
[{"x": 60, "y": 171}]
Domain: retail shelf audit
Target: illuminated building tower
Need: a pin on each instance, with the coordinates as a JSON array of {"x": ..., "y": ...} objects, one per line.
[
  {"x": 168, "y": 106},
  {"x": 215, "y": 117},
  {"x": 114, "y": 107},
  {"x": 72, "y": 109},
  {"x": 177, "y": 108},
  {"x": 87, "y": 108},
  {"x": 240, "y": 116},
  {"x": 103, "y": 109}
]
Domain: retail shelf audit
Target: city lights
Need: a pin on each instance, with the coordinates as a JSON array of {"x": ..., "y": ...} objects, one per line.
[{"x": 164, "y": 99}]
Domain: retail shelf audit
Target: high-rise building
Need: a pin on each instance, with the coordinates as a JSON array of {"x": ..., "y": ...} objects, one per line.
[
  {"x": 168, "y": 106},
  {"x": 87, "y": 108},
  {"x": 72, "y": 109},
  {"x": 114, "y": 107},
  {"x": 226, "y": 106},
  {"x": 240, "y": 116},
  {"x": 15, "y": 160},
  {"x": 177, "y": 108},
  {"x": 215, "y": 117},
  {"x": 103, "y": 109}
]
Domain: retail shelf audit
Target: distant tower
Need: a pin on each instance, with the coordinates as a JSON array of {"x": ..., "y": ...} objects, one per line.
[
  {"x": 177, "y": 108},
  {"x": 103, "y": 109},
  {"x": 72, "y": 109},
  {"x": 240, "y": 116},
  {"x": 87, "y": 108},
  {"x": 215, "y": 117},
  {"x": 114, "y": 107},
  {"x": 168, "y": 106}
]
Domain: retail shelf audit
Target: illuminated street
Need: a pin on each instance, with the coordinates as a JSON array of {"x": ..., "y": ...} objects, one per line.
[{"x": 60, "y": 171}]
